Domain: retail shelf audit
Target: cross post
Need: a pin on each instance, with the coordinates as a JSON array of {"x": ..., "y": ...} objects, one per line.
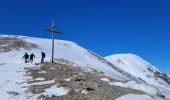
[{"x": 52, "y": 30}]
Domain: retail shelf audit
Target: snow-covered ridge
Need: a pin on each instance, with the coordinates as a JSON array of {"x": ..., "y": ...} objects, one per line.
[
  {"x": 138, "y": 67},
  {"x": 135, "y": 65}
]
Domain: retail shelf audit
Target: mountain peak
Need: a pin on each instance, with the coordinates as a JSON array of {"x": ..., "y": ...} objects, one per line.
[
  {"x": 131, "y": 60},
  {"x": 141, "y": 68}
]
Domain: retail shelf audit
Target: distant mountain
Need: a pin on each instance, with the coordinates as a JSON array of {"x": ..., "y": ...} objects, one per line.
[{"x": 140, "y": 68}]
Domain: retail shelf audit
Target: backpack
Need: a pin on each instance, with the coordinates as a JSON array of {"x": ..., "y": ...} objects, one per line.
[
  {"x": 43, "y": 55},
  {"x": 26, "y": 56}
]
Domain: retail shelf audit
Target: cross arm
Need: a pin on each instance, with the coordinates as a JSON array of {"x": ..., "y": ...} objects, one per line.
[{"x": 48, "y": 30}]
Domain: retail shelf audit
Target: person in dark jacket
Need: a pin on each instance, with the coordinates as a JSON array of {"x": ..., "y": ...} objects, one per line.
[
  {"x": 32, "y": 57},
  {"x": 42, "y": 57},
  {"x": 26, "y": 57}
]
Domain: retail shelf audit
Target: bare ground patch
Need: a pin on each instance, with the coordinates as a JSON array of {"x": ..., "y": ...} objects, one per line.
[
  {"x": 14, "y": 43},
  {"x": 82, "y": 84}
]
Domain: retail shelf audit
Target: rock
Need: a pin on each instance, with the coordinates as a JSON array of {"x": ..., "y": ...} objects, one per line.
[
  {"x": 83, "y": 85},
  {"x": 14, "y": 93}
]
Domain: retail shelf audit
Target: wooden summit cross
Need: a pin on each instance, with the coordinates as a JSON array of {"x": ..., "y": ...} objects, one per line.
[{"x": 52, "y": 30}]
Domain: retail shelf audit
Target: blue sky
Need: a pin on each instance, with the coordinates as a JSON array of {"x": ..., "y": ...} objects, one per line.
[{"x": 106, "y": 27}]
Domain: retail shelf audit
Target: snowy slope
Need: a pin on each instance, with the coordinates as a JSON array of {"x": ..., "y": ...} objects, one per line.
[
  {"x": 12, "y": 59},
  {"x": 73, "y": 52},
  {"x": 138, "y": 67}
]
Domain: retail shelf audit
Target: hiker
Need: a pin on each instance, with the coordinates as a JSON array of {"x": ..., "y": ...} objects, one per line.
[
  {"x": 32, "y": 57},
  {"x": 42, "y": 57},
  {"x": 26, "y": 57}
]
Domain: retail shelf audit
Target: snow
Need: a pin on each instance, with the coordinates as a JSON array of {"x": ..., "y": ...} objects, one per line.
[
  {"x": 43, "y": 82},
  {"x": 133, "y": 64},
  {"x": 68, "y": 79},
  {"x": 13, "y": 73},
  {"x": 132, "y": 84},
  {"x": 12, "y": 80},
  {"x": 84, "y": 92},
  {"x": 13, "y": 76},
  {"x": 134, "y": 97},
  {"x": 138, "y": 67},
  {"x": 55, "y": 91},
  {"x": 39, "y": 79},
  {"x": 105, "y": 79},
  {"x": 42, "y": 72}
]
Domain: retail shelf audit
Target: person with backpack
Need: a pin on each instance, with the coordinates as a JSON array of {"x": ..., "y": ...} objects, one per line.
[
  {"x": 42, "y": 57},
  {"x": 26, "y": 57},
  {"x": 32, "y": 57}
]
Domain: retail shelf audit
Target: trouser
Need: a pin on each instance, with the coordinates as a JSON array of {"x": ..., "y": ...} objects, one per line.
[
  {"x": 42, "y": 60},
  {"x": 26, "y": 60},
  {"x": 31, "y": 60}
]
